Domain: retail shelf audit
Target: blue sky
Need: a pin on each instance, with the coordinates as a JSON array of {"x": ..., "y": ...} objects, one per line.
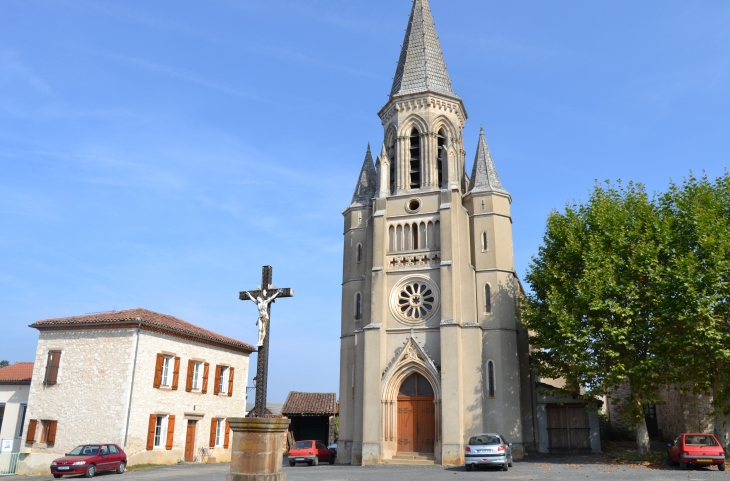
[{"x": 157, "y": 154}]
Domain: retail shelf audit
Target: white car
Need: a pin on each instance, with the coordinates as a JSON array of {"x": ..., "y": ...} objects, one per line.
[{"x": 488, "y": 450}]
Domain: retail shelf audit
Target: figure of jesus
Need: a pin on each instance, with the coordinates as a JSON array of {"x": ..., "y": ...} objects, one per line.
[{"x": 263, "y": 305}]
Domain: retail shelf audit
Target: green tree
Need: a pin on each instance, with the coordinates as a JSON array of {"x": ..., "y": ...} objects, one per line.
[
  {"x": 596, "y": 316},
  {"x": 4, "y": 363}
]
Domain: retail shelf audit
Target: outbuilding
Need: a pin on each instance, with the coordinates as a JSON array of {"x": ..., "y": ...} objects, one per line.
[{"x": 313, "y": 415}]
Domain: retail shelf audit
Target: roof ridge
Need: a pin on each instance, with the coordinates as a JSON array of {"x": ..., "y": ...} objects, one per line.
[{"x": 421, "y": 65}]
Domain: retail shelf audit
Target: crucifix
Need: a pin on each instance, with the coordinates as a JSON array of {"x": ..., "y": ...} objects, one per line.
[{"x": 266, "y": 295}]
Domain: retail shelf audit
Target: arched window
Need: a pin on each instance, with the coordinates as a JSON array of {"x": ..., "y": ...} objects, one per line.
[
  {"x": 358, "y": 255},
  {"x": 490, "y": 379},
  {"x": 358, "y": 306},
  {"x": 415, "y": 385},
  {"x": 441, "y": 162},
  {"x": 415, "y": 159},
  {"x": 393, "y": 162},
  {"x": 487, "y": 298},
  {"x": 414, "y": 231},
  {"x": 485, "y": 242}
]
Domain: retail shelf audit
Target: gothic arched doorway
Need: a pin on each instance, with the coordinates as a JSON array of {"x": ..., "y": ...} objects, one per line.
[{"x": 416, "y": 415}]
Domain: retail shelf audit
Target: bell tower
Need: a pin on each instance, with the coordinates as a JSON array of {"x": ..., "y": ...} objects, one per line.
[{"x": 414, "y": 371}]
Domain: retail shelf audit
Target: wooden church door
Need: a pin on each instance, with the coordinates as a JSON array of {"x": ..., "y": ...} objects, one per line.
[{"x": 416, "y": 416}]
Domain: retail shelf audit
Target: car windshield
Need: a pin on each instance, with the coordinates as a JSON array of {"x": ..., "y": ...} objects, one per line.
[
  {"x": 303, "y": 445},
  {"x": 699, "y": 441},
  {"x": 484, "y": 440},
  {"x": 85, "y": 450}
]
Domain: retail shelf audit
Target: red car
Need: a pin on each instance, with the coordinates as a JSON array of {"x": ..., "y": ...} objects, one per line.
[
  {"x": 311, "y": 452},
  {"x": 89, "y": 459},
  {"x": 697, "y": 449}
]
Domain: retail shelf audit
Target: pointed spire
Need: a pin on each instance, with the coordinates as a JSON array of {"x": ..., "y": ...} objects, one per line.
[
  {"x": 421, "y": 66},
  {"x": 366, "y": 183},
  {"x": 484, "y": 176},
  {"x": 383, "y": 171}
]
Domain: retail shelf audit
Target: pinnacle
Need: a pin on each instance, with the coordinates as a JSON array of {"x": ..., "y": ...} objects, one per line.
[
  {"x": 484, "y": 176},
  {"x": 366, "y": 182}
]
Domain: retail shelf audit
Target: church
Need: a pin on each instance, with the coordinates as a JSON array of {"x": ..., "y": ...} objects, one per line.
[{"x": 432, "y": 352}]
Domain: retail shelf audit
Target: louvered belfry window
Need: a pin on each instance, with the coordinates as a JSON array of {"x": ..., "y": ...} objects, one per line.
[
  {"x": 441, "y": 164},
  {"x": 52, "y": 366},
  {"x": 415, "y": 159}
]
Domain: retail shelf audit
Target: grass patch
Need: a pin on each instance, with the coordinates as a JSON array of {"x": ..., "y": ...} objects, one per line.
[
  {"x": 632, "y": 457},
  {"x": 139, "y": 467}
]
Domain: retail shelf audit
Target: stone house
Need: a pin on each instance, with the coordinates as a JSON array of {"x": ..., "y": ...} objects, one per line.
[
  {"x": 14, "y": 388},
  {"x": 312, "y": 415},
  {"x": 158, "y": 386}
]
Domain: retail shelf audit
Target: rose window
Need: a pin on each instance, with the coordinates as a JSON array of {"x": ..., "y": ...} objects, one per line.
[{"x": 414, "y": 300}]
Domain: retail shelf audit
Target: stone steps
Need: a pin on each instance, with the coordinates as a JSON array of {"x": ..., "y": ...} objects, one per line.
[{"x": 412, "y": 459}]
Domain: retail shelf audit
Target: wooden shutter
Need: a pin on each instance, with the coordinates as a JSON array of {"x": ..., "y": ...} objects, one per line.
[
  {"x": 170, "y": 431},
  {"x": 51, "y": 436},
  {"x": 206, "y": 370},
  {"x": 151, "y": 432},
  {"x": 230, "y": 381},
  {"x": 30, "y": 438},
  {"x": 52, "y": 365},
  {"x": 176, "y": 374},
  {"x": 158, "y": 370},
  {"x": 189, "y": 380},
  {"x": 213, "y": 425},
  {"x": 228, "y": 435},
  {"x": 217, "y": 380}
]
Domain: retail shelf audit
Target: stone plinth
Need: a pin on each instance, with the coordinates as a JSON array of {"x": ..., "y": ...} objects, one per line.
[{"x": 257, "y": 449}]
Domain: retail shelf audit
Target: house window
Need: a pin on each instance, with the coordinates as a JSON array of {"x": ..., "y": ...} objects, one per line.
[
  {"x": 197, "y": 374},
  {"x": 359, "y": 253},
  {"x": 487, "y": 298},
  {"x": 223, "y": 380},
  {"x": 219, "y": 432},
  {"x": 415, "y": 159},
  {"x": 21, "y": 419},
  {"x": 52, "y": 366},
  {"x": 159, "y": 431},
  {"x": 485, "y": 242},
  {"x": 358, "y": 306},
  {"x": 166, "y": 370},
  {"x": 490, "y": 378},
  {"x": 48, "y": 432},
  {"x": 2, "y": 415}
]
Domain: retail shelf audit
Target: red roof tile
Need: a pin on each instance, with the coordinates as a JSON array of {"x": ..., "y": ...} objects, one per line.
[
  {"x": 18, "y": 373},
  {"x": 310, "y": 404},
  {"x": 149, "y": 319}
]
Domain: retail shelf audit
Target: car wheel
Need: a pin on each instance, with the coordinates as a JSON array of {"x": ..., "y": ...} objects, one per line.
[
  {"x": 721, "y": 467},
  {"x": 670, "y": 460},
  {"x": 315, "y": 461},
  {"x": 505, "y": 467},
  {"x": 683, "y": 465},
  {"x": 57, "y": 476},
  {"x": 90, "y": 471},
  {"x": 332, "y": 459},
  {"x": 292, "y": 463},
  {"x": 510, "y": 462},
  {"x": 468, "y": 467},
  {"x": 121, "y": 468}
]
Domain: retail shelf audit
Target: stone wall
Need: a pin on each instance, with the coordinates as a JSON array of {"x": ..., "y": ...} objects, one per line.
[{"x": 91, "y": 402}]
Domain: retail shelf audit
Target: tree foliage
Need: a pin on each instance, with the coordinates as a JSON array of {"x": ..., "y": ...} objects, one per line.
[{"x": 632, "y": 290}]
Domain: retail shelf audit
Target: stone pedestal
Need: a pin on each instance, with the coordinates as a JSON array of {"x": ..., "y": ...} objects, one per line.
[{"x": 257, "y": 449}]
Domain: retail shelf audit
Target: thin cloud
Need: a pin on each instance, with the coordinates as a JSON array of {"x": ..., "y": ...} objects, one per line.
[{"x": 11, "y": 67}]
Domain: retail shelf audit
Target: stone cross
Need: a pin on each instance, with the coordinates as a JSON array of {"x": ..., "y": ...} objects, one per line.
[{"x": 264, "y": 297}]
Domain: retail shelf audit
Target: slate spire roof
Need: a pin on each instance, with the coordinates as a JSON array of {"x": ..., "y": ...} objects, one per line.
[
  {"x": 366, "y": 184},
  {"x": 421, "y": 67},
  {"x": 484, "y": 176}
]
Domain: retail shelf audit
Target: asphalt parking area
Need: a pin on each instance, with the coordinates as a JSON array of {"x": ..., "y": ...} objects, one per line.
[{"x": 540, "y": 468}]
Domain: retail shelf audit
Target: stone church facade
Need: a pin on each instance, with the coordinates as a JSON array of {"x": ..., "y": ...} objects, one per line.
[{"x": 431, "y": 350}]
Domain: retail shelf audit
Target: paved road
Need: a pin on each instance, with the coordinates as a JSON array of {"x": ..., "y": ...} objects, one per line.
[{"x": 569, "y": 469}]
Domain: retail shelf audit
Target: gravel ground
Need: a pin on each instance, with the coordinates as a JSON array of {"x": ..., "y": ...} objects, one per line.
[{"x": 539, "y": 468}]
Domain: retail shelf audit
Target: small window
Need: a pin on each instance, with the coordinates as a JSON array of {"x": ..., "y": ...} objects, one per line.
[
  {"x": 219, "y": 427},
  {"x": 359, "y": 218},
  {"x": 21, "y": 419},
  {"x": 48, "y": 432},
  {"x": 197, "y": 375},
  {"x": 223, "y": 380},
  {"x": 159, "y": 431},
  {"x": 2, "y": 415},
  {"x": 358, "y": 306},
  {"x": 485, "y": 242},
  {"x": 113, "y": 449},
  {"x": 52, "y": 366},
  {"x": 358, "y": 254},
  {"x": 166, "y": 370},
  {"x": 441, "y": 163},
  {"x": 490, "y": 378},
  {"x": 487, "y": 299}
]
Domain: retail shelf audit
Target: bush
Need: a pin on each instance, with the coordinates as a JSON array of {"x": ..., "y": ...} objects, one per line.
[{"x": 609, "y": 432}]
